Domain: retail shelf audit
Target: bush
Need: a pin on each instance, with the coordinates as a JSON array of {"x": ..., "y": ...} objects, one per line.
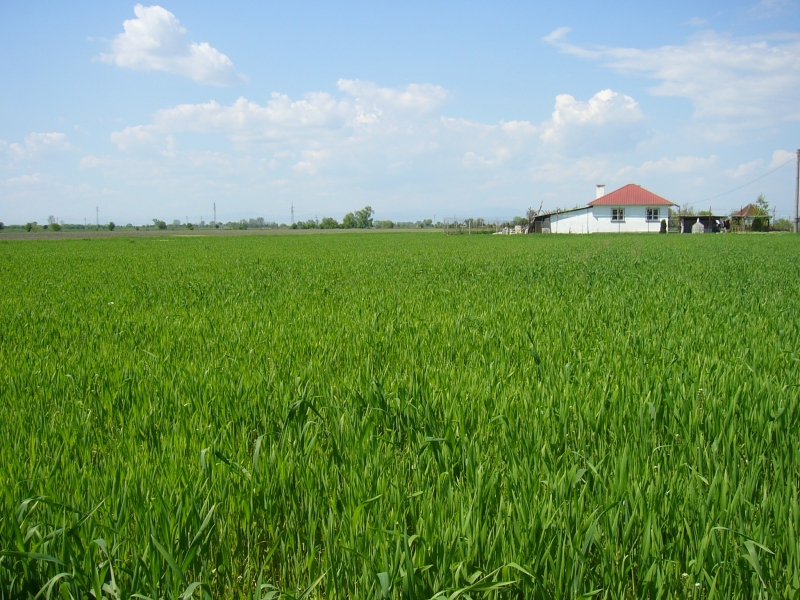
[
  {"x": 780, "y": 225},
  {"x": 759, "y": 224},
  {"x": 111, "y": 226},
  {"x": 159, "y": 223},
  {"x": 2, "y": 225},
  {"x": 56, "y": 227},
  {"x": 189, "y": 226},
  {"x": 663, "y": 226},
  {"x": 29, "y": 226}
]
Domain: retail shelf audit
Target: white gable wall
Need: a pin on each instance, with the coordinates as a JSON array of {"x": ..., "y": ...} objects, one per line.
[{"x": 597, "y": 219}]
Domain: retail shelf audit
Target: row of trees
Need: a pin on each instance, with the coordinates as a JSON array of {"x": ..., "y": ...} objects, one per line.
[{"x": 360, "y": 219}]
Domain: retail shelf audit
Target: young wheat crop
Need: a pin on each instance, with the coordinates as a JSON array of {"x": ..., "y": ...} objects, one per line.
[{"x": 418, "y": 416}]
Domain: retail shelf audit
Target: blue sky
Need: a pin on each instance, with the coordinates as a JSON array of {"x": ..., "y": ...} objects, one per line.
[{"x": 417, "y": 109}]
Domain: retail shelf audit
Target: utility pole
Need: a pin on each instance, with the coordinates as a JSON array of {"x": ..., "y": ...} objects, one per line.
[
  {"x": 796, "y": 192},
  {"x": 292, "y": 213},
  {"x": 97, "y": 215},
  {"x": 215, "y": 214}
]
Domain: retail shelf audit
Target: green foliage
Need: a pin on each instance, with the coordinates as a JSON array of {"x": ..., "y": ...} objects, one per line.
[
  {"x": 762, "y": 204},
  {"x": 663, "y": 226},
  {"x": 384, "y": 224},
  {"x": 30, "y": 226},
  {"x": 349, "y": 221},
  {"x": 189, "y": 226},
  {"x": 329, "y": 223},
  {"x": 2, "y": 225},
  {"x": 361, "y": 219},
  {"x": 111, "y": 226},
  {"x": 783, "y": 225},
  {"x": 159, "y": 224},
  {"x": 56, "y": 227},
  {"x": 400, "y": 416}
]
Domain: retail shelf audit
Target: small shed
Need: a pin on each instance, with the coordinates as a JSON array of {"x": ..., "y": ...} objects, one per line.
[
  {"x": 750, "y": 218},
  {"x": 710, "y": 223}
]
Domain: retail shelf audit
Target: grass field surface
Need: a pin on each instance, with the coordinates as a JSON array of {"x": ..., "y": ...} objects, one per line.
[{"x": 416, "y": 416}]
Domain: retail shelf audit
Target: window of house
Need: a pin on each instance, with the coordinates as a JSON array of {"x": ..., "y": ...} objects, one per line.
[
  {"x": 617, "y": 214},
  {"x": 652, "y": 214}
]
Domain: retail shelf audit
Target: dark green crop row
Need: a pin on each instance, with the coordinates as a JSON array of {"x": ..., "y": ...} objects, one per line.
[{"x": 416, "y": 416}]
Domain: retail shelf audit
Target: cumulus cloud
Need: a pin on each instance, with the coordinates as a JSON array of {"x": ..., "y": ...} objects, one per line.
[
  {"x": 25, "y": 179},
  {"x": 781, "y": 157},
  {"x": 156, "y": 41},
  {"x": 750, "y": 82},
  {"x": 131, "y": 137},
  {"x": 745, "y": 169},
  {"x": 40, "y": 145},
  {"x": 756, "y": 167},
  {"x": 414, "y": 97},
  {"x": 245, "y": 119},
  {"x": 608, "y": 121}
]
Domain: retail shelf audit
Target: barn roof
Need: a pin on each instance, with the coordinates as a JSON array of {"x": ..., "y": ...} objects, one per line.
[{"x": 631, "y": 195}]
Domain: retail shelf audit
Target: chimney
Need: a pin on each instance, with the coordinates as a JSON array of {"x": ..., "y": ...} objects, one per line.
[{"x": 601, "y": 190}]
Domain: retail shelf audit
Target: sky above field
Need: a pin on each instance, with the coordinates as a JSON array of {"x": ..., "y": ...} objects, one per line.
[{"x": 418, "y": 109}]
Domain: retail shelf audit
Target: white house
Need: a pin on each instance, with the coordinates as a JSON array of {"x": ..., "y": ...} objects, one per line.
[{"x": 631, "y": 208}]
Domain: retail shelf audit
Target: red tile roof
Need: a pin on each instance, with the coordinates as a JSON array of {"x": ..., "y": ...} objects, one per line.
[
  {"x": 751, "y": 210},
  {"x": 632, "y": 194}
]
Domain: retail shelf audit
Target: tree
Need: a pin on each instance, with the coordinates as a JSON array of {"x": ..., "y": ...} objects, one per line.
[
  {"x": 329, "y": 223},
  {"x": 349, "y": 221},
  {"x": 55, "y": 226},
  {"x": 663, "y": 226},
  {"x": 364, "y": 217},
  {"x": 762, "y": 205},
  {"x": 30, "y": 226},
  {"x": 159, "y": 224},
  {"x": 111, "y": 226},
  {"x": 51, "y": 220},
  {"x": 2, "y": 225}
]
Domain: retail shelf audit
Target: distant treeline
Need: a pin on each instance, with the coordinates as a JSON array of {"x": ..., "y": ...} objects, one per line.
[{"x": 359, "y": 219}]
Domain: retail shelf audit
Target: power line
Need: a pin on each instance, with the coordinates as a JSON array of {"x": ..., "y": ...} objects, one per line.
[{"x": 749, "y": 182}]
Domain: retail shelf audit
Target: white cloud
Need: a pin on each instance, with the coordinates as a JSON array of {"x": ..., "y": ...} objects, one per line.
[
  {"x": 767, "y": 9},
  {"x": 245, "y": 120},
  {"x": 756, "y": 167},
  {"x": 781, "y": 157},
  {"x": 40, "y": 145},
  {"x": 131, "y": 137},
  {"x": 608, "y": 121},
  {"x": 678, "y": 165},
  {"x": 471, "y": 159},
  {"x": 25, "y": 179},
  {"x": 156, "y": 41},
  {"x": 697, "y": 22},
  {"x": 742, "y": 81},
  {"x": 414, "y": 97},
  {"x": 745, "y": 169}
]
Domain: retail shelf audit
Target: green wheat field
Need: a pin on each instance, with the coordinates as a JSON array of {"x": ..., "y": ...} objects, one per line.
[{"x": 400, "y": 416}]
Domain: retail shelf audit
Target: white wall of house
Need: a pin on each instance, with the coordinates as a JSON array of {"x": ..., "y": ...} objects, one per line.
[
  {"x": 598, "y": 219},
  {"x": 574, "y": 221}
]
